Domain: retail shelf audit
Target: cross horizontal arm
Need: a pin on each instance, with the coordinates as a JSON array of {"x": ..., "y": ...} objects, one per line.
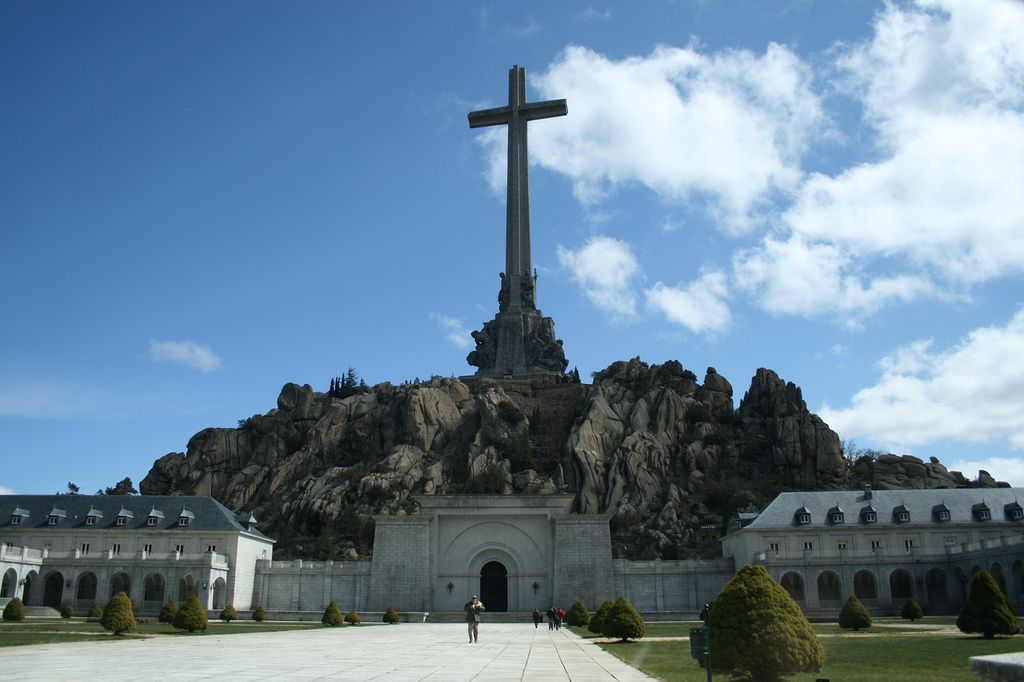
[
  {"x": 490, "y": 117},
  {"x": 538, "y": 110}
]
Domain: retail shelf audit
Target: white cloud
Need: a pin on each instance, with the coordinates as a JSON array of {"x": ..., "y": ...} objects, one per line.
[
  {"x": 726, "y": 129},
  {"x": 455, "y": 330},
  {"x": 186, "y": 353},
  {"x": 604, "y": 268},
  {"x": 4, "y": 490},
  {"x": 700, "y": 306},
  {"x": 1007, "y": 469},
  {"x": 972, "y": 392}
]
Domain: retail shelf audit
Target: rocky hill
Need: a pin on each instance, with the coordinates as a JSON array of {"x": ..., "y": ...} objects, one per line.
[{"x": 669, "y": 457}]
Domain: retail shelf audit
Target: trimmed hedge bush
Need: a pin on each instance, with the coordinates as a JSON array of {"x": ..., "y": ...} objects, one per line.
[
  {"x": 191, "y": 616},
  {"x": 853, "y": 615},
  {"x": 577, "y": 615},
  {"x": 168, "y": 612},
  {"x": 332, "y": 615},
  {"x": 117, "y": 616},
  {"x": 391, "y": 616},
  {"x": 229, "y": 614},
  {"x": 95, "y": 612},
  {"x": 759, "y": 632},
  {"x": 911, "y": 610},
  {"x": 14, "y": 611},
  {"x": 597, "y": 621},
  {"x": 67, "y": 611},
  {"x": 259, "y": 615},
  {"x": 352, "y": 618},
  {"x": 987, "y": 610},
  {"x": 623, "y": 621}
]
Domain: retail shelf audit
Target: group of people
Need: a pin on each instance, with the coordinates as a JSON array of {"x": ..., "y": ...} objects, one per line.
[
  {"x": 555, "y": 618},
  {"x": 474, "y": 607}
]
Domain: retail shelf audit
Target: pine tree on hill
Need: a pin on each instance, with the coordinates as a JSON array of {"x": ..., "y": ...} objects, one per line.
[
  {"x": 759, "y": 632},
  {"x": 987, "y": 610},
  {"x": 853, "y": 615}
]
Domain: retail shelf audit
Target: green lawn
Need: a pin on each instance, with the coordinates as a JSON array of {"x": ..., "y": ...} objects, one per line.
[
  {"x": 53, "y": 630},
  {"x": 936, "y": 658}
]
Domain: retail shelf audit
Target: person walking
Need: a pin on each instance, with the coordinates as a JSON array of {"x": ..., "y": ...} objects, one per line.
[
  {"x": 537, "y": 618},
  {"x": 552, "y": 614},
  {"x": 473, "y": 609},
  {"x": 559, "y": 617}
]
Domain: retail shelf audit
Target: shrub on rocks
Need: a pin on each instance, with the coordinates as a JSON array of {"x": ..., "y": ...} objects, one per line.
[
  {"x": 597, "y": 622},
  {"x": 332, "y": 615},
  {"x": 117, "y": 616},
  {"x": 168, "y": 612},
  {"x": 911, "y": 610},
  {"x": 191, "y": 616},
  {"x": 758, "y": 632},
  {"x": 623, "y": 621},
  {"x": 67, "y": 611},
  {"x": 577, "y": 615},
  {"x": 352, "y": 618},
  {"x": 259, "y": 615},
  {"x": 229, "y": 614},
  {"x": 987, "y": 610},
  {"x": 391, "y": 616},
  {"x": 14, "y": 611},
  {"x": 853, "y": 615}
]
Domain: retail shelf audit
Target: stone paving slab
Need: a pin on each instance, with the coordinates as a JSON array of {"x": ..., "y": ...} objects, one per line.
[{"x": 438, "y": 652}]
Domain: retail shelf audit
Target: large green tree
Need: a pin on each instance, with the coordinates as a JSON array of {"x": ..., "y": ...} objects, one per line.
[
  {"x": 758, "y": 631},
  {"x": 987, "y": 610}
]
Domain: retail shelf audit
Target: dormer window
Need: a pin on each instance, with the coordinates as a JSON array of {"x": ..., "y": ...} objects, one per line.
[
  {"x": 54, "y": 517},
  {"x": 836, "y": 516},
  {"x": 802, "y": 516},
  {"x": 123, "y": 516},
  {"x": 52, "y": 520},
  {"x": 901, "y": 514},
  {"x": 90, "y": 518},
  {"x": 868, "y": 515},
  {"x": 185, "y": 517},
  {"x": 1014, "y": 512},
  {"x": 981, "y": 512},
  {"x": 151, "y": 521},
  {"x": 17, "y": 515},
  {"x": 121, "y": 521},
  {"x": 15, "y": 520},
  {"x": 940, "y": 513},
  {"x": 155, "y": 517}
]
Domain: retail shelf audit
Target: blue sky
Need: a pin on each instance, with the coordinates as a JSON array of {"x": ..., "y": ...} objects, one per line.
[{"x": 202, "y": 201}]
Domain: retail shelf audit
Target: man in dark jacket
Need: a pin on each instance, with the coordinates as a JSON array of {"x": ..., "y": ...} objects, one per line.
[{"x": 473, "y": 610}]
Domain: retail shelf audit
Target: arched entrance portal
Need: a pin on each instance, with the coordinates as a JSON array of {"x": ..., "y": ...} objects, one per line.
[
  {"x": 494, "y": 586},
  {"x": 53, "y": 590}
]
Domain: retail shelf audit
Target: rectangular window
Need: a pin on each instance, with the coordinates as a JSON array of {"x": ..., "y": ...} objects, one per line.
[
  {"x": 90, "y": 520},
  {"x": 148, "y": 549},
  {"x": 52, "y": 521},
  {"x": 180, "y": 549},
  {"x": 841, "y": 545},
  {"x": 908, "y": 545},
  {"x": 211, "y": 548},
  {"x": 949, "y": 542},
  {"x": 85, "y": 548},
  {"x": 183, "y": 521},
  {"x": 15, "y": 520},
  {"x": 808, "y": 546},
  {"x": 774, "y": 547},
  {"x": 151, "y": 521},
  {"x": 121, "y": 520},
  {"x": 876, "y": 545},
  {"x": 115, "y": 548}
]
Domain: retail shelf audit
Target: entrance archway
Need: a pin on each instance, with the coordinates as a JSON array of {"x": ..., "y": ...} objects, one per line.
[
  {"x": 53, "y": 590},
  {"x": 494, "y": 586},
  {"x": 10, "y": 584}
]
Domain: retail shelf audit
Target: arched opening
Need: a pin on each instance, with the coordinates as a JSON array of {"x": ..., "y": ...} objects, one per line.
[
  {"x": 187, "y": 587},
  {"x": 975, "y": 569},
  {"x": 53, "y": 590},
  {"x": 901, "y": 586},
  {"x": 494, "y": 586},
  {"x": 864, "y": 586},
  {"x": 9, "y": 585},
  {"x": 960, "y": 580},
  {"x": 27, "y": 592},
  {"x": 121, "y": 583},
  {"x": 1000, "y": 577},
  {"x": 86, "y": 591},
  {"x": 154, "y": 588},
  {"x": 794, "y": 584},
  {"x": 220, "y": 594},
  {"x": 830, "y": 590},
  {"x": 938, "y": 592},
  {"x": 1017, "y": 571}
]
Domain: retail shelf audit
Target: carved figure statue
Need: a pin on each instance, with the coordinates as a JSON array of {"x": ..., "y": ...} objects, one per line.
[
  {"x": 527, "y": 288},
  {"x": 503, "y": 292},
  {"x": 485, "y": 352}
]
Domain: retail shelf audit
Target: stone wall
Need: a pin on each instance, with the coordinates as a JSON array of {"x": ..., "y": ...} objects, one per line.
[
  {"x": 671, "y": 586},
  {"x": 400, "y": 576},
  {"x": 583, "y": 560},
  {"x": 309, "y": 586}
]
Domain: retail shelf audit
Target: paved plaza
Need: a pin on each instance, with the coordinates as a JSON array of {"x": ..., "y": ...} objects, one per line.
[{"x": 397, "y": 653}]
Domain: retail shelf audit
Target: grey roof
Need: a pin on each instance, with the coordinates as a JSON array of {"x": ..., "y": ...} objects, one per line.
[
  {"x": 780, "y": 513},
  {"x": 209, "y": 514}
]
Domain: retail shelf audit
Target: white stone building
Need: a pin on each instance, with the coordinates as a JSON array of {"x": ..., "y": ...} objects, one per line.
[
  {"x": 82, "y": 549},
  {"x": 886, "y": 546}
]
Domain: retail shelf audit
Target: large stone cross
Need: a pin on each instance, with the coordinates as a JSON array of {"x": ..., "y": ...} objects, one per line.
[{"x": 517, "y": 226}]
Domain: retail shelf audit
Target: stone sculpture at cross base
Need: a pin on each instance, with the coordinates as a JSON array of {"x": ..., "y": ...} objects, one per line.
[{"x": 519, "y": 342}]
